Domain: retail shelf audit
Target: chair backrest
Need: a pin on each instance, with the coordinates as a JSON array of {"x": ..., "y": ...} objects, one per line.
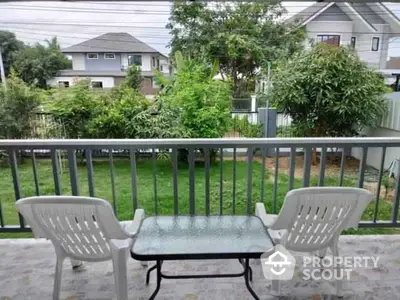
[
  {"x": 81, "y": 226},
  {"x": 314, "y": 216}
]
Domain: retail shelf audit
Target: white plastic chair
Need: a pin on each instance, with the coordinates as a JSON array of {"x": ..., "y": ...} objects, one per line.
[
  {"x": 312, "y": 219},
  {"x": 83, "y": 229}
]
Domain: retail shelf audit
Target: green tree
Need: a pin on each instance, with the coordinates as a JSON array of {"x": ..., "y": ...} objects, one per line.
[
  {"x": 18, "y": 102},
  {"x": 329, "y": 91},
  {"x": 203, "y": 103},
  {"x": 128, "y": 114},
  {"x": 8, "y": 45},
  {"x": 75, "y": 107},
  {"x": 133, "y": 77},
  {"x": 243, "y": 36},
  {"x": 37, "y": 64}
]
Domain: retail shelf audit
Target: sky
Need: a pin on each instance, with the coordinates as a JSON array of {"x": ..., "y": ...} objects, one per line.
[{"x": 75, "y": 22}]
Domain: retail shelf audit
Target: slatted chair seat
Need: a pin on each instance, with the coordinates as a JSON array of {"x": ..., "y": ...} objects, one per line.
[
  {"x": 312, "y": 219},
  {"x": 84, "y": 229}
]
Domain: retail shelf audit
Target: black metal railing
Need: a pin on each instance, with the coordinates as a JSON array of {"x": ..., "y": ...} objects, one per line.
[{"x": 197, "y": 176}]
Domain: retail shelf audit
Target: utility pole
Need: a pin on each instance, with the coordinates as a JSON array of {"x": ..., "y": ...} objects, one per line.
[{"x": 2, "y": 73}]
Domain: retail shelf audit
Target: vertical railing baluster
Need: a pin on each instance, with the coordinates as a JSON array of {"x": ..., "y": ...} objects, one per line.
[
  {"x": 154, "y": 159},
  {"x": 35, "y": 174},
  {"x": 322, "y": 164},
  {"x": 221, "y": 180},
  {"x": 90, "y": 173},
  {"x": 378, "y": 190},
  {"x": 207, "y": 179},
  {"x": 275, "y": 180},
  {"x": 111, "y": 162},
  {"x": 263, "y": 153},
  {"x": 249, "y": 179},
  {"x": 56, "y": 172},
  {"x": 175, "y": 179},
  {"x": 342, "y": 165},
  {"x": 292, "y": 167},
  {"x": 395, "y": 212},
  {"x": 363, "y": 163},
  {"x": 307, "y": 166},
  {"x": 192, "y": 204},
  {"x": 1, "y": 216},
  {"x": 17, "y": 188},
  {"x": 73, "y": 173},
  {"x": 234, "y": 183},
  {"x": 134, "y": 186}
]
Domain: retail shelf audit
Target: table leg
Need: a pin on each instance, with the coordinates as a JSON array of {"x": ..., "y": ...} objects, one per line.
[
  {"x": 246, "y": 278},
  {"x": 158, "y": 266},
  {"x": 250, "y": 269},
  {"x": 148, "y": 273}
]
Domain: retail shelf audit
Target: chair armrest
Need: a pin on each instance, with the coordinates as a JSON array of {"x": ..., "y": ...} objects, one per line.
[
  {"x": 132, "y": 227},
  {"x": 267, "y": 219}
]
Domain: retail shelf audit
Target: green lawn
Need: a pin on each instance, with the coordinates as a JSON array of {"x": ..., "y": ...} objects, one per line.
[{"x": 164, "y": 188}]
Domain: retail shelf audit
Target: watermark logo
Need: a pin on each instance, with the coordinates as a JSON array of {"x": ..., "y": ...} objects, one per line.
[{"x": 279, "y": 265}]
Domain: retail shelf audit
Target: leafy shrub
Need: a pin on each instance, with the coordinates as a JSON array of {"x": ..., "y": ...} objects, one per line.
[
  {"x": 329, "y": 91},
  {"x": 75, "y": 107},
  {"x": 203, "y": 103},
  {"x": 17, "y": 104}
]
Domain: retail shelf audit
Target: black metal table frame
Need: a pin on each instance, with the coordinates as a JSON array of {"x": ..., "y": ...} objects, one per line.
[{"x": 247, "y": 272}]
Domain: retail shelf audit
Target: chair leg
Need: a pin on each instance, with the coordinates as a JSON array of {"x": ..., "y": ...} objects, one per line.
[
  {"x": 76, "y": 264},
  {"x": 335, "y": 252},
  {"x": 57, "y": 277},
  {"x": 120, "y": 272},
  {"x": 276, "y": 287},
  {"x": 321, "y": 253}
]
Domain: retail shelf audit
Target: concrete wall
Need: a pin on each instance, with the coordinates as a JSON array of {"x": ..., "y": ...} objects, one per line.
[
  {"x": 78, "y": 61},
  {"x": 390, "y": 127},
  {"x": 102, "y": 64},
  {"x": 374, "y": 154},
  {"x": 108, "y": 82}
]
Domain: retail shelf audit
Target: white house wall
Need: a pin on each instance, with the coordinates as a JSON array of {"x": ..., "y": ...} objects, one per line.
[
  {"x": 78, "y": 61},
  {"x": 375, "y": 59},
  {"x": 108, "y": 82},
  {"x": 342, "y": 28},
  {"x": 346, "y": 30}
]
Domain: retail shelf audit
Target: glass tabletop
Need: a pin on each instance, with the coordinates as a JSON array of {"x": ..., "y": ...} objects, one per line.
[{"x": 201, "y": 237}]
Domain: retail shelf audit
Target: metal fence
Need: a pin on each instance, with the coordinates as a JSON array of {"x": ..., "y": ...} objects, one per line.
[{"x": 230, "y": 192}]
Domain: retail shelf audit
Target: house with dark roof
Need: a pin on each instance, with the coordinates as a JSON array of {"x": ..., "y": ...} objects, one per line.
[
  {"x": 104, "y": 60},
  {"x": 367, "y": 27}
]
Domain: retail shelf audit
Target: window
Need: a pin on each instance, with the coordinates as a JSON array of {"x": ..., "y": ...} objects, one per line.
[
  {"x": 97, "y": 84},
  {"x": 375, "y": 44},
  {"x": 109, "y": 55},
  {"x": 63, "y": 84},
  {"x": 161, "y": 68},
  {"x": 353, "y": 42},
  {"x": 329, "y": 39},
  {"x": 155, "y": 63},
  {"x": 92, "y": 56},
  {"x": 135, "y": 60}
]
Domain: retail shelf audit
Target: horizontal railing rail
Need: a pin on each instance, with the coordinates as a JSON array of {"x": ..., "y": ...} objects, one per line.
[{"x": 198, "y": 176}]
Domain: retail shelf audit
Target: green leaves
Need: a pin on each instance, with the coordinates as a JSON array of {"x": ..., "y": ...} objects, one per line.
[
  {"x": 37, "y": 64},
  {"x": 202, "y": 103},
  {"x": 17, "y": 103},
  {"x": 329, "y": 91},
  {"x": 241, "y": 35}
]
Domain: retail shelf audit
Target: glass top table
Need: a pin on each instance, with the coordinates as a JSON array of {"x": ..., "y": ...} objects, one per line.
[{"x": 201, "y": 237}]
